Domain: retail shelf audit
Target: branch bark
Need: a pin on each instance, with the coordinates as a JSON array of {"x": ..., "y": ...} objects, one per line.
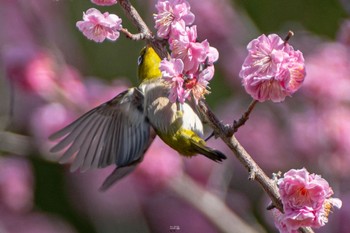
[
  {"x": 255, "y": 172},
  {"x": 144, "y": 32}
]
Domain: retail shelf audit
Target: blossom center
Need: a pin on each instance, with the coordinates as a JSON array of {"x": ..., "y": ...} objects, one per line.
[
  {"x": 167, "y": 18},
  {"x": 303, "y": 192},
  {"x": 190, "y": 83},
  {"x": 98, "y": 29}
]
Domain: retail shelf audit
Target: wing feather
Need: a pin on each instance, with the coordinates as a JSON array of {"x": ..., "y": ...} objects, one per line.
[
  {"x": 90, "y": 152},
  {"x": 72, "y": 130},
  {"x": 114, "y": 132},
  {"x": 100, "y": 145},
  {"x": 85, "y": 145},
  {"x": 77, "y": 140},
  {"x": 107, "y": 152}
]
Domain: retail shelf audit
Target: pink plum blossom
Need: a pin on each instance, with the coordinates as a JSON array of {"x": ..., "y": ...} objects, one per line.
[
  {"x": 183, "y": 84},
  {"x": 184, "y": 45},
  {"x": 172, "y": 72},
  {"x": 199, "y": 85},
  {"x": 223, "y": 15},
  {"x": 191, "y": 65},
  {"x": 171, "y": 12},
  {"x": 280, "y": 224},
  {"x": 273, "y": 69},
  {"x": 104, "y": 2},
  {"x": 98, "y": 27},
  {"x": 306, "y": 200}
]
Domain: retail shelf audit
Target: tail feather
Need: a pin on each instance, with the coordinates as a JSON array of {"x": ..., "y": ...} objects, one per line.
[{"x": 208, "y": 152}]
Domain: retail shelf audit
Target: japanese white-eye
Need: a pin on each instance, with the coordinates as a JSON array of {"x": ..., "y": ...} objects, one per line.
[{"x": 121, "y": 130}]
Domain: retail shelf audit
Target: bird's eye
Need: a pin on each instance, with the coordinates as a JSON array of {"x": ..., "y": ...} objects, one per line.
[{"x": 139, "y": 60}]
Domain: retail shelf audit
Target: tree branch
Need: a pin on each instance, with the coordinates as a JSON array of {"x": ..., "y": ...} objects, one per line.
[
  {"x": 144, "y": 32},
  {"x": 244, "y": 117},
  {"x": 255, "y": 172},
  {"x": 138, "y": 36},
  {"x": 136, "y": 19}
]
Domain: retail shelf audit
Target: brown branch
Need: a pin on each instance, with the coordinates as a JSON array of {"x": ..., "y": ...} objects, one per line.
[
  {"x": 289, "y": 35},
  {"x": 244, "y": 117},
  {"x": 138, "y": 36},
  {"x": 136, "y": 19},
  {"x": 144, "y": 32},
  {"x": 255, "y": 172}
]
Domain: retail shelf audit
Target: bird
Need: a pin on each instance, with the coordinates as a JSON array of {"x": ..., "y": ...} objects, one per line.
[{"x": 121, "y": 130}]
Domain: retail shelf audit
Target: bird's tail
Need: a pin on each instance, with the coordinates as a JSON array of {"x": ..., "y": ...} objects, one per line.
[{"x": 208, "y": 152}]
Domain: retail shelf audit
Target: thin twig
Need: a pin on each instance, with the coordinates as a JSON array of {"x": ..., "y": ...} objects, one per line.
[
  {"x": 244, "y": 117},
  {"x": 136, "y": 19},
  {"x": 289, "y": 35},
  {"x": 138, "y": 36},
  {"x": 144, "y": 32}
]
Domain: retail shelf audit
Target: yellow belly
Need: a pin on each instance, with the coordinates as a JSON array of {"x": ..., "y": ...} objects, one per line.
[{"x": 182, "y": 141}]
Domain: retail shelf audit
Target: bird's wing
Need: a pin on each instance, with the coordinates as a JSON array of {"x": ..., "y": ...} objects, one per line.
[{"x": 114, "y": 132}]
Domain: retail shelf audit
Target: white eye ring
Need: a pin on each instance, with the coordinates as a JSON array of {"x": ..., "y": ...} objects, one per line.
[{"x": 139, "y": 60}]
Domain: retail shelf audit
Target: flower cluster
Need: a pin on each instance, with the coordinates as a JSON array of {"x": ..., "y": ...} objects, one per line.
[
  {"x": 306, "y": 200},
  {"x": 272, "y": 69},
  {"x": 98, "y": 27},
  {"x": 172, "y": 14},
  {"x": 190, "y": 67}
]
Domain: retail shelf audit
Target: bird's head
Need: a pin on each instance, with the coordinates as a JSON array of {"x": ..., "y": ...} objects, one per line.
[{"x": 148, "y": 64}]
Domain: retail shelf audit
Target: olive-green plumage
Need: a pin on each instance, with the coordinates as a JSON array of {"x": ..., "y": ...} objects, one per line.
[
  {"x": 120, "y": 130},
  {"x": 148, "y": 65},
  {"x": 178, "y": 126}
]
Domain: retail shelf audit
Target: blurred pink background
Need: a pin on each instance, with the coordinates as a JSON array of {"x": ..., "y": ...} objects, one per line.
[{"x": 51, "y": 74}]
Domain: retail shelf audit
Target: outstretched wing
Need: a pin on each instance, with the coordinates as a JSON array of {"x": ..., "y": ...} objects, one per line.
[{"x": 115, "y": 132}]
